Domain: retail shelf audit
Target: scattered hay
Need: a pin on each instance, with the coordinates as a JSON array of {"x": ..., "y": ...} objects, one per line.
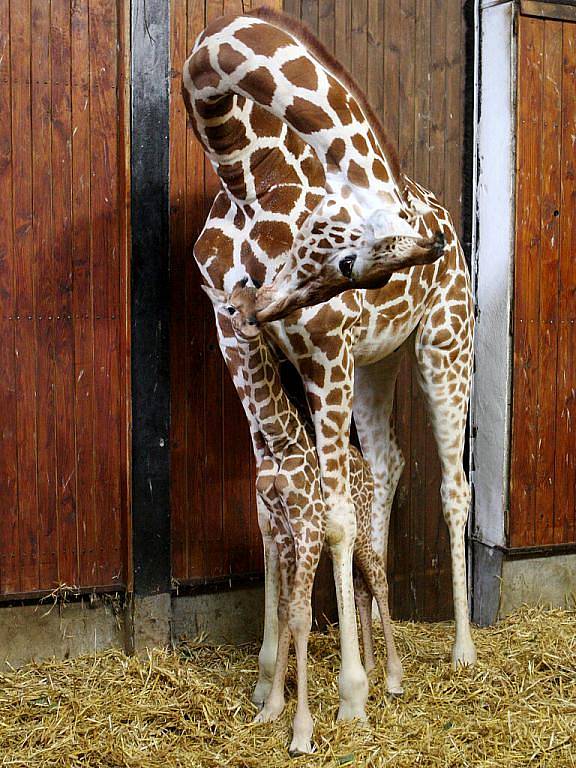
[{"x": 191, "y": 707}]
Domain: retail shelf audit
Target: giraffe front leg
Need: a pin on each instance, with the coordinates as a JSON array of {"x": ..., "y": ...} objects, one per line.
[
  {"x": 268, "y": 649},
  {"x": 329, "y": 389}
]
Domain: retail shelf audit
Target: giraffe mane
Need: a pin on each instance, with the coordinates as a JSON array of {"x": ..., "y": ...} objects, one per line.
[{"x": 305, "y": 35}]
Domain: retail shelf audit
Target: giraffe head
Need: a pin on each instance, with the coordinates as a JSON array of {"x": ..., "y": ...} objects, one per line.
[
  {"x": 334, "y": 253},
  {"x": 240, "y": 306}
]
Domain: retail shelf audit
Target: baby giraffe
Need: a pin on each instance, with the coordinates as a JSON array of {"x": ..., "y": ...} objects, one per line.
[{"x": 289, "y": 482}]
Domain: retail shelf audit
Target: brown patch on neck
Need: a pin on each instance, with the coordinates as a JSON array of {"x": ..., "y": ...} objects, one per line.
[
  {"x": 307, "y": 117},
  {"x": 315, "y": 47},
  {"x": 264, "y": 44},
  {"x": 229, "y": 59},
  {"x": 259, "y": 84},
  {"x": 357, "y": 175},
  {"x": 301, "y": 72}
]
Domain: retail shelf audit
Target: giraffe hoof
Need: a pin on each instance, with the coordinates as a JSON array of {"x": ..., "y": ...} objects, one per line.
[
  {"x": 261, "y": 692},
  {"x": 463, "y": 655},
  {"x": 270, "y": 712},
  {"x": 302, "y": 748},
  {"x": 349, "y": 711}
]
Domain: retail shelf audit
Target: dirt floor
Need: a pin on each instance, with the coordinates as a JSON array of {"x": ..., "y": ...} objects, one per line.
[{"x": 191, "y": 707}]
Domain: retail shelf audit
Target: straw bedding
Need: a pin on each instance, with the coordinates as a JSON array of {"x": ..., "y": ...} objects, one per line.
[{"x": 190, "y": 707}]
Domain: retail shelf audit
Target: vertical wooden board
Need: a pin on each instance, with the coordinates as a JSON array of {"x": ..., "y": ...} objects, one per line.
[
  {"x": 309, "y": 14},
  {"x": 44, "y": 291},
  {"x": 20, "y": 49},
  {"x": 422, "y": 99},
  {"x": 178, "y": 251},
  {"x": 391, "y": 98},
  {"x": 406, "y": 38},
  {"x": 549, "y": 265},
  {"x": 359, "y": 43},
  {"x": 326, "y": 23},
  {"x": 565, "y": 464},
  {"x": 565, "y": 477},
  {"x": 526, "y": 290},
  {"x": 82, "y": 310},
  {"x": 197, "y": 314},
  {"x": 454, "y": 112},
  {"x": 105, "y": 266},
  {"x": 437, "y": 103},
  {"x": 123, "y": 139},
  {"x": 9, "y": 575},
  {"x": 293, "y": 7},
  {"x": 213, "y": 402},
  {"x": 375, "y": 56},
  {"x": 66, "y": 492},
  {"x": 342, "y": 32}
]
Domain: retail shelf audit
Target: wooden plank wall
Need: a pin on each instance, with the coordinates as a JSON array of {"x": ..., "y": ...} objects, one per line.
[
  {"x": 543, "y": 465},
  {"x": 408, "y": 55},
  {"x": 214, "y": 524},
  {"x": 63, "y": 283}
]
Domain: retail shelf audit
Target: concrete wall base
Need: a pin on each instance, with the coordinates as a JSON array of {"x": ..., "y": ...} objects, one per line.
[
  {"x": 151, "y": 618},
  {"x": 36, "y": 632},
  {"x": 221, "y": 617},
  {"x": 549, "y": 581},
  {"x": 63, "y": 630}
]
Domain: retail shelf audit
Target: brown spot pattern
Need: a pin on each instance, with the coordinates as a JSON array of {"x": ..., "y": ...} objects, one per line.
[
  {"x": 263, "y": 40},
  {"x": 307, "y": 117},
  {"x": 229, "y": 58},
  {"x": 357, "y": 175},
  {"x": 260, "y": 85},
  {"x": 201, "y": 71},
  {"x": 301, "y": 72},
  {"x": 274, "y": 237}
]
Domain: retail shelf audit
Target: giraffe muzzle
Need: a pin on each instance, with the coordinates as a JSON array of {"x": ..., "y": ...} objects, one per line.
[{"x": 346, "y": 265}]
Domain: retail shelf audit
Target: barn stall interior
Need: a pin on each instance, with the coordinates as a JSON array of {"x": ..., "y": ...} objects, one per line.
[{"x": 127, "y": 473}]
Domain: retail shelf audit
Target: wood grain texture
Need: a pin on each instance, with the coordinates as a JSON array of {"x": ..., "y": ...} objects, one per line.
[
  {"x": 214, "y": 522},
  {"x": 9, "y": 559},
  {"x": 543, "y": 467},
  {"x": 60, "y": 139}
]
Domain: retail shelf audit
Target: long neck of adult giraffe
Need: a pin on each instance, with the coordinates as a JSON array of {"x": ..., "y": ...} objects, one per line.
[
  {"x": 277, "y": 417},
  {"x": 261, "y": 58}
]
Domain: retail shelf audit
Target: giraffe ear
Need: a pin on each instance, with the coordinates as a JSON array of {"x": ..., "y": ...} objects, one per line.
[
  {"x": 216, "y": 296},
  {"x": 384, "y": 223}
]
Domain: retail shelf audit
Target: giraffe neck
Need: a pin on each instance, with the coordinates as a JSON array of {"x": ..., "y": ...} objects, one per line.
[
  {"x": 277, "y": 416},
  {"x": 244, "y": 62}
]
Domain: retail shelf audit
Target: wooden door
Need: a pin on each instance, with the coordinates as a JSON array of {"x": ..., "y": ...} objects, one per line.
[
  {"x": 543, "y": 457},
  {"x": 63, "y": 282},
  {"x": 409, "y": 57}
]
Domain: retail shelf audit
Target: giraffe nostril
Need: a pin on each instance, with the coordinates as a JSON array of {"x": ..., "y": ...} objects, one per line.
[
  {"x": 439, "y": 241},
  {"x": 346, "y": 265}
]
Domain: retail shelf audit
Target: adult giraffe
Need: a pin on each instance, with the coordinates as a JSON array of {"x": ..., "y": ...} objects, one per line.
[{"x": 310, "y": 187}]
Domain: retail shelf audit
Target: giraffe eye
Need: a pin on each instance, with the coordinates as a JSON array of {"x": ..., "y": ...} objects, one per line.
[{"x": 230, "y": 309}]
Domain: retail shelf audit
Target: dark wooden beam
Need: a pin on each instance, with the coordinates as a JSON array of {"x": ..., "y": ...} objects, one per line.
[
  {"x": 150, "y": 294},
  {"x": 562, "y": 10}
]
